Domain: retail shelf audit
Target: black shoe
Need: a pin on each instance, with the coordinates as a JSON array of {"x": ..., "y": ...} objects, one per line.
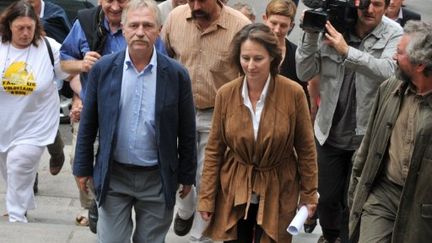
[
  {"x": 35, "y": 185},
  {"x": 182, "y": 226},
  {"x": 93, "y": 217},
  {"x": 309, "y": 225},
  {"x": 322, "y": 239}
]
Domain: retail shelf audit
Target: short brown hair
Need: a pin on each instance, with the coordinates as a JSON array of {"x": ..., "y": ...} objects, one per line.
[
  {"x": 281, "y": 7},
  {"x": 16, "y": 10},
  {"x": 263, "y": 35}
]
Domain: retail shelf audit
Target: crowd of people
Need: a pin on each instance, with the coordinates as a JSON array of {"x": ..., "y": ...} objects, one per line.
[{"x": 191, "y": 103}]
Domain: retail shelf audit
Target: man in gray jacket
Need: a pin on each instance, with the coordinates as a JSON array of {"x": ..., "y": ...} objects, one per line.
[
  {"x": 351, "y": 68},
  {"x": 390, "y": 180}
]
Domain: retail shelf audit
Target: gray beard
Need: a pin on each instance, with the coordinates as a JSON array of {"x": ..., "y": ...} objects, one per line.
[{"x": 401, "y": 75}]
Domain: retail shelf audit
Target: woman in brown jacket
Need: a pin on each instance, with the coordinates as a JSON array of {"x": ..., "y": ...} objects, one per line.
[{"x": 260, "y": 161}]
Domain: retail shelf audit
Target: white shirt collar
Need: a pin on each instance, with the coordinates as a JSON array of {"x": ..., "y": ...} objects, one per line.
[
  {"x": 264, "y": 92},
  {"x": 400, "y": 15}
]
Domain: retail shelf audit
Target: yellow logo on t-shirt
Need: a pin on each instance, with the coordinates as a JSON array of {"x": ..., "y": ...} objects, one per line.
[{"x": 17, "y": 80}]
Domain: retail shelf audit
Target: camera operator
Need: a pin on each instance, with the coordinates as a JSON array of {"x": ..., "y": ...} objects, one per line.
[{"x": 351, "y": 67}]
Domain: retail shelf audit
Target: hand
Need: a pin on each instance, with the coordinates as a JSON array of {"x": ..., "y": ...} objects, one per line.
[
  {"x": 83, "y": 180},
  {"x": 206, "y": 216},
  {"x": 336, "y": 40},
  {"x": 311, "y": 209},
  {"x": 313, "y": 110},
  {"x": 302, "y": 16},
  {"x": 185, "y": 191},
  {"x": 301, "y": 22},
  {"x": 75, "y": 112},
  {"x": 89, "y": 60},
  {"x": 313, "y": 88},
  {"x": 357, "y": 3}
]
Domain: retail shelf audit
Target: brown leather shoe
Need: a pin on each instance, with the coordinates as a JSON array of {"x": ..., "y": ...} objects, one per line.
[
  {"x": 56, "y": 164},
  {"x": 182, "y": 226}
]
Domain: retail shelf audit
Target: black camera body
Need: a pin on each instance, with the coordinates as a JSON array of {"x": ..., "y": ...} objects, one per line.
[{"x": 342, "y": 14}]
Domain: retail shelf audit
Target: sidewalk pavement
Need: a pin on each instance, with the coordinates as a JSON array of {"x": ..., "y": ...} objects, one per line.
[{"x": 53, "y": 221}]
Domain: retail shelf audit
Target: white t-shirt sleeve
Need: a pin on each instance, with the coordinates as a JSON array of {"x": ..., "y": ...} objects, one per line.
[{"x": 58, "y": 72}]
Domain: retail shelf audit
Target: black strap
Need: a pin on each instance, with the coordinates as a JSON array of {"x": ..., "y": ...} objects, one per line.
[
  {"x": 92, "y": 21},
  {"x": 50, "y": 52}
]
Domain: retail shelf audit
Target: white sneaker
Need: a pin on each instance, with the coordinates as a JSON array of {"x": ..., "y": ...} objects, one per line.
[{"x": 202, "y": 239}]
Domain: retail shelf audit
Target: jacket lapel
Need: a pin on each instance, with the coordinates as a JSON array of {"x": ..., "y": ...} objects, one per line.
[
  {"x": 115, "y": 87},
  {"x": 161, "y": 89}
]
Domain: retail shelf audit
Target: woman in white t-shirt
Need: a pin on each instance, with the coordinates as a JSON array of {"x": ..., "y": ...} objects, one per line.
[{"x": 29, "y": 103}]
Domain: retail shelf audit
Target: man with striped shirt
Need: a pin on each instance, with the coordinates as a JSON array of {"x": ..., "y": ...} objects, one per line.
[{"x": 198, "y": 35}]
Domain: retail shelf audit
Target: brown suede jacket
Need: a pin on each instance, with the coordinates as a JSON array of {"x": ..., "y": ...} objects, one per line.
[{"x": 280, "y": 166}]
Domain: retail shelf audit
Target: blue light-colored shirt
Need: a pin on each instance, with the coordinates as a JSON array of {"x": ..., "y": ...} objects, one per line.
[
  {"x": 136, "y": 130},
  {"x": 75, "y": 46}
]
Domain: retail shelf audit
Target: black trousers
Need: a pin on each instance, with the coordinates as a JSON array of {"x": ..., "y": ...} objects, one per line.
[
  {"x": 334, "y": 171},
  {"x": 247, "y": 229}
]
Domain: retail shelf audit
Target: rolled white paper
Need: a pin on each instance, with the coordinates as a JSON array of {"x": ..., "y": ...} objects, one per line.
[{"x": 297, "y": 223}]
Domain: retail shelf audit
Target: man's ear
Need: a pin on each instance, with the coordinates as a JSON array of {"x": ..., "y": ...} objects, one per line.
[
  {"x": 420, "y": 68},
  {"x": 292, "y": 25},
  {"x": 264, "y": 17}
]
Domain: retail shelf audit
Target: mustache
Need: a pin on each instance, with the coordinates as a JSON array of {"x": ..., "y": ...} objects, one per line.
[
  {"x": 143, "y": 39},
  {"x": 366, "y": 13},
  {"x": 200, "y": 14}
]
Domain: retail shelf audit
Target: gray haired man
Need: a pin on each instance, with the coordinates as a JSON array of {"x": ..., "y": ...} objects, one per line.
[{"x": 390, "y": 183}]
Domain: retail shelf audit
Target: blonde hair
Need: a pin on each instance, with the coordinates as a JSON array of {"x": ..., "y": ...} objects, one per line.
[{"x": 281, "y": 7}]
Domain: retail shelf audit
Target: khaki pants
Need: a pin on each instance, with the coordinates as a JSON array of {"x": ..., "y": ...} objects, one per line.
[
  {"x": 379, "y": 212},
  {"x": 85, "y": 199},
  {"x": 187, "y": 205}
]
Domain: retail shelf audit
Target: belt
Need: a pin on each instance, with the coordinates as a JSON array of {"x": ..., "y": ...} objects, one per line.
[
  {"x": 205, "y": 109},
  {"x": 136, "y": 167}
]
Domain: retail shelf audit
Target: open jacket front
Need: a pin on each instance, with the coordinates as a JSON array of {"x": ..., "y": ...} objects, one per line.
[
  {"x": 414, "y": 217},
  {"x": 236, "y": 165}
]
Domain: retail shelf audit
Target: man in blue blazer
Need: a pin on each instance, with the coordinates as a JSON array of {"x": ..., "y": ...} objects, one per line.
[
  {"x": 141, "y": 104},
  {"x": 399, "y": 13}
]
